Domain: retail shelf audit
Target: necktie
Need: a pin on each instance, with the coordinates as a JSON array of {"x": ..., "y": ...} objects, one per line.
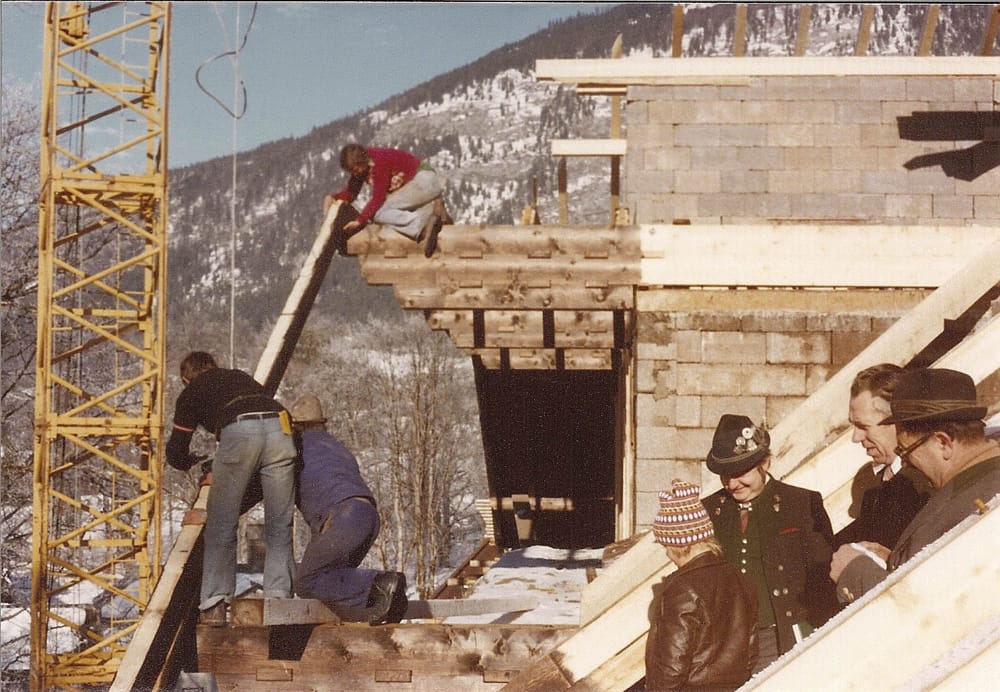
[{"x": 744, "y": 518}]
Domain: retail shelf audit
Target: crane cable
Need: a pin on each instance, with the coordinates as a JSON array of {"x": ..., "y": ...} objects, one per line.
[{"x": 239, "y": 104}]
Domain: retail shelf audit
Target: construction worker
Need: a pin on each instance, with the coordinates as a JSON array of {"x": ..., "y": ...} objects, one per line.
[
  {"x": 343, "y": 519},
  {"x": 255, "y": 439}
]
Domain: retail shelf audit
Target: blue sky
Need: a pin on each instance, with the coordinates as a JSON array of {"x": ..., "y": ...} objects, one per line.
[{"x": 304, "y": 63}]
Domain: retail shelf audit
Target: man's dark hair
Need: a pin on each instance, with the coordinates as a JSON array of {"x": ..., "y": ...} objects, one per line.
[
  {"x": 879, "y": 380},
  {"x": 196, "y": 363},
  {"x": 352, "y": 155}
]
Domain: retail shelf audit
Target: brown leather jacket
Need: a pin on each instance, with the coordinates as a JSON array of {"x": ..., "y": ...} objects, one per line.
[{"x": 702, "y": 628}]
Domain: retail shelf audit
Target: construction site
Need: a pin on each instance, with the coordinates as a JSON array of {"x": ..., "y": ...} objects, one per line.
[{"x": 775, "y": 225}]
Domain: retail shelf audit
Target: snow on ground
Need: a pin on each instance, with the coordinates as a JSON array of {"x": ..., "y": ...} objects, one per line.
[{"x": 555, "y": 576}]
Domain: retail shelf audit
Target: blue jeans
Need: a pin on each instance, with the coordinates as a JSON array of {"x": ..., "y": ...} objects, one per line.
[
  {"x": 408, "y": 208},
  {"x": 245, "y": 448},
  {"x": 329, "y": 569}
]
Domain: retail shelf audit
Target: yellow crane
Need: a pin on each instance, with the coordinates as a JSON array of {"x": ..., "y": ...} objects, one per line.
[{"x": 101, "y": 335}]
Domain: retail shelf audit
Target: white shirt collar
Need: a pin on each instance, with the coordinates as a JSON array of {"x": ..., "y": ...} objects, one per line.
[{"x": 896, "y": 465}]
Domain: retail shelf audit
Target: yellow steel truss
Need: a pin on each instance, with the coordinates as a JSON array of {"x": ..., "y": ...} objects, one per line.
[{"x": 101, "y": 336}]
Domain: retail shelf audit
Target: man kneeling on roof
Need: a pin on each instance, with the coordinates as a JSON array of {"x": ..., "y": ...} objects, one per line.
[{"x": 340, "y": 510}]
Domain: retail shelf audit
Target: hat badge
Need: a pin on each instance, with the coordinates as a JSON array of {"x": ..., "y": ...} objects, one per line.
[{"x": 745, "y": 441}]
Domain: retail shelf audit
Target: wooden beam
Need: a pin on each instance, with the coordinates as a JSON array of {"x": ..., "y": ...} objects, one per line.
[
  {"x": 677, "y": 34},
  {"x": 516, "y": 297},
  {"x": 664, "y": 71},
  {"x": 802, "y": 34},
  {"x": 927, "y": 35},
  {"x": 820, "y": 256},
  {"x": 864, "y": 30},
  {"x": 990, "y": 37},
  {"x": 740, "y": 30},
  {"x": 589, "y": 147}
]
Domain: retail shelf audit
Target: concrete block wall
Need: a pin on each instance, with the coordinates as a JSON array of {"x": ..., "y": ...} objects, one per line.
[
  {"x": 694, "y": 365},
  {"x": 897, "y": 150}
]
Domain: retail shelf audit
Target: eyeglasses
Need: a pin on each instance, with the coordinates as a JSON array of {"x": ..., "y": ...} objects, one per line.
[{"x": 904, "y": 452}]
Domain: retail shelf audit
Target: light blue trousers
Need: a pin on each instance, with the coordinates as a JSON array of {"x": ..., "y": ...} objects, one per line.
[
  {"x": 408, "y": 208},
  {"x": 245, "y": 448}
]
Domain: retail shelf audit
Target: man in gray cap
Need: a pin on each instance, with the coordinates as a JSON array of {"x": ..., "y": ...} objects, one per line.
[
  {"x": 340, "y": 510},
  {"x": 778, "y": 535},
  {"x": 940, "y": 429}
]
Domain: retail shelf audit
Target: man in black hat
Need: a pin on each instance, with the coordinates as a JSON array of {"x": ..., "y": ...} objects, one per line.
[
  {"x": 940, "y": 429},
  {"x": 777, "y": 534}
]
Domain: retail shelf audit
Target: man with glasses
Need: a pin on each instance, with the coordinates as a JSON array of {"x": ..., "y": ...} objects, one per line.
[
  {"x": 940, "y": 430},
  {"x": 887, "y": 494}
]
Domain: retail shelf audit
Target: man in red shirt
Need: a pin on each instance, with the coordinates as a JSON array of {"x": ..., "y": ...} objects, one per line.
[{"x": 405, "y": 193}]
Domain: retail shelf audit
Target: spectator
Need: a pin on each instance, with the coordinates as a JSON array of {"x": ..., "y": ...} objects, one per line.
[
  {"x": 255, "y": 437},
  {"x": 405, "y": 193},
  {"x": 940, "y": 430},
  {"x": 340, "y": 510},
  {"x": 888, "y": 495},
  {"x": 703, "y": 618},
  {"x": 778, "y": 535}
]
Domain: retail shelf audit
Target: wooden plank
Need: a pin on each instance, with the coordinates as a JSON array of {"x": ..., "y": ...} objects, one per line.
[
  {"x": 453, "y": 273},
  {"x": 305, "y": 611},
  {"x": 677, "y": 32},
  {"x": 927, "y": 35},
  {"x": 618, "y": 297},
  {"x": 636, "y": 567},
  {"x": 864, "y": 30},
  {"x": 820, "y": 256},
  {"x": 740, "y": 30},
  {"x": 664, "y": 71},
  {"x": 902, "y": 614},
  {"x": 589, "y": 147},
  {"x": 990, "y": 36},
  {"x": 802, "y": 33}
]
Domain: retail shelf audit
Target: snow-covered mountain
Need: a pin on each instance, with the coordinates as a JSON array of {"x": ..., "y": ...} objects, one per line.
[{"x": 488, "y": 127}]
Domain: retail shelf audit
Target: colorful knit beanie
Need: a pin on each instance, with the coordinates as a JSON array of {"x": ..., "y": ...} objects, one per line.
[{"x": 682, "y": 519}]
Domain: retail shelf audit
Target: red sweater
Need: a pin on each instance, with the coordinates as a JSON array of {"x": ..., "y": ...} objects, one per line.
[{"x": 385, "y": 164}]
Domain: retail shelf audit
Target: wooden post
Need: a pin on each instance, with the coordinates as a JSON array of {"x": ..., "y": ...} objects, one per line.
[
  {"x": 991, "y": 32},
  {"x": 930, "y": 24},
  {"x": 740, "y": 31},
  {"x": 677, "y": 40},
  {"x": 864, "y": 30},
  {"x": 616, "y": 133},
  {"x": 802, "y": 36},
  {"x": 561, "y": 176}
]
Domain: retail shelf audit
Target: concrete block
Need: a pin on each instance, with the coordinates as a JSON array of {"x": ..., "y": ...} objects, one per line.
[
  {"x": 703, "y": 379},
  {"x": 883, "y": 89},
  {"x": 879, "y": 134},
  {"x": 702, "y": 182},
  {"x": 667, "y": 159},
  {"x": 744, "y": 181},
  {"x": 837, "y": 135},
  {"x": 770, "y": 206},
  {"x": 908, "y": 208},
  {"x": 645, "y": 376},
  {"x": 706, "y": 321},
  {"x": 790, "y": 135},
  {"x": 742, "y": 134},
  {"x": 714, "y": 407},
  {"x": 762, "y": 111},
  {"x": 956, "y": 208},
  {"x": 693, "y": 443},
  {"x": 865, "y": 207},
  {"x": 807, "y": 158},
  {"x": 986, "y": 208},
  {"x": 773, "y": 322},
  {"x": 931, "y": 89},
  {"x": 822, "y": 112},
  {"x": 846, "y": 345},
  {"x": 689, "y": 346},
  {"x": 650, "y": 413},
  {"x": 854, "y": 111},
  {"x": 655, "y": 442},
  {"x": 665, "y": 350},
  {"x": 803, "y": 347},
  {"x": 854, "y": 158},
  {"x": 666, "y": 379},
  {"x": 734, "y": 347},
  {"x": 780, "y": 406},
  {"x": 774, "y": 380},
  {"x": 720, "y": 111},
  {"x": 791, "y": 182},
  {"x": 818, "y": 375},
  {"x": 722, "y": 205},
  {"x": 688, "y": 411},
  {"x": 696, "y": 135},
  {"x": 838, "y": 322}
]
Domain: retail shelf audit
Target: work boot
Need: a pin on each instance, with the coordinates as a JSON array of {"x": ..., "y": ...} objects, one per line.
[
  {"x": 214, "y": 616},
  {"x": 439, "y": 209},
  {"x": 387, "y": 598},
  {"x": 431, "y": 229}
]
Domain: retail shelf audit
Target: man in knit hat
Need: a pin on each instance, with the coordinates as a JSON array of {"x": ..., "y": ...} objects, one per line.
[
  {"x": 779, "y": 535},
  {"x": 340, "y": 510},
  {"x": 703, "y": 618},
  {"x": 940, "y": 429}
]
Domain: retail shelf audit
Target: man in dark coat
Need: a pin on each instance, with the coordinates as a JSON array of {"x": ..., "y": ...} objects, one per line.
[
  {"x": 887, "y": 494},
  {"x": 939, "y": 425},
  {"x": 777, "y": 534},
  {"x": 703, "y": 618}
]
